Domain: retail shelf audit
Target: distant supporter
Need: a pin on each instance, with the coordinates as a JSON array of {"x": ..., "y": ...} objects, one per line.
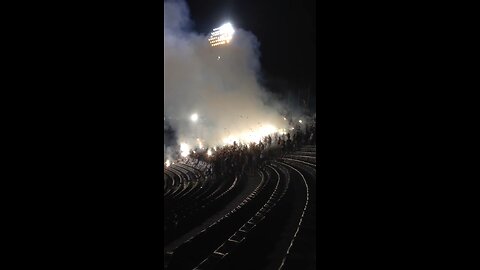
[{"x": 289, "y": 145}]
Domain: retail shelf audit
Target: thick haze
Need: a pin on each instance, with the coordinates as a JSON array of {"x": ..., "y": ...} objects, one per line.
[{"x": 224, "y": 91}]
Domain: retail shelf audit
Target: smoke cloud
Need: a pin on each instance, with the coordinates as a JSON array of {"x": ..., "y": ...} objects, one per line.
[{"x": 220, "y": 84}]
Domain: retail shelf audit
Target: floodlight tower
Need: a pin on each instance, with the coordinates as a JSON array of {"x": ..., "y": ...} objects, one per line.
[{"x": 221, "y": 35}]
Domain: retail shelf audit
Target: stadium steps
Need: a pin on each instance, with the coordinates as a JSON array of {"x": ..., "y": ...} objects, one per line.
[
  {"x": 198, "y": 246},
  {"x": 245, "y": 242}
]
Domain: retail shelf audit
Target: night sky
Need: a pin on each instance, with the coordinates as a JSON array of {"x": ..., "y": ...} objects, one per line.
[{"x": 285, "y": 30}]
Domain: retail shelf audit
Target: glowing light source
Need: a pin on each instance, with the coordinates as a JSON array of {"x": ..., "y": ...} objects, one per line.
[
  {"x": 221, "y": 35},
  {"x": 184, "y": 149},
  {"x": 209, "y": 152},
  {"x": 194, "y": 117},
  {"x": 251, "y": 136},
  {"x": 229, "y": 140},
  {"x": 300, "y": 121},
  {"x": 167, "y": 163}
]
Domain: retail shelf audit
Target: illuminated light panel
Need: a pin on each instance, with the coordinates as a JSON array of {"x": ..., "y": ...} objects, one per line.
[{"x": 221, "y": 35}]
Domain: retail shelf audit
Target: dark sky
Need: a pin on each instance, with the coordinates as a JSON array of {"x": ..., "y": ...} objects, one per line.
[{"x": 285, "y": 29}]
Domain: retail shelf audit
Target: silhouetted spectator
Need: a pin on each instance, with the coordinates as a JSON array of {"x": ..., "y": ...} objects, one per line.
[{"x": 288, "y": 145}]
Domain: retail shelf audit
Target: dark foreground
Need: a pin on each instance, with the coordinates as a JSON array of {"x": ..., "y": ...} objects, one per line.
[{"x": 263, "y": 218}]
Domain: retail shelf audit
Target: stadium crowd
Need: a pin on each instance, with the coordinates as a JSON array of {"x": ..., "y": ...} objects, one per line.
[{"x": 233, "y": 160}]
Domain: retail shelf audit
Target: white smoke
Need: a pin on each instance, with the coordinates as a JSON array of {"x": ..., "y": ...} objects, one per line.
[{"x": 219, "y": 84}]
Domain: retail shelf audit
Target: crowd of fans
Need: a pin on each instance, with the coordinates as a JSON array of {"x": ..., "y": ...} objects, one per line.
[{"x": 235, "y": 159}]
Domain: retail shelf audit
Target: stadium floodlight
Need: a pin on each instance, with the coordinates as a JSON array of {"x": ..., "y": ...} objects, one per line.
[
  {"x": 194, "y": 117},
  {"x": 221, "y": 35}
]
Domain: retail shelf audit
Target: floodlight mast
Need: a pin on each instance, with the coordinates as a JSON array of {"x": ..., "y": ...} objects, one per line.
[{"x": 221, "y": 35}]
